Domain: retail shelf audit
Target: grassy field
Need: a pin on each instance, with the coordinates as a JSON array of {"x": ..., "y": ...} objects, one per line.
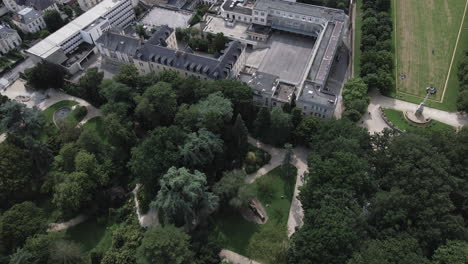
[
  {"x": 426, "y": 33},
  {"x": 49, "y": 112},
  {"x": 91, "y": 235},
  {"x": 234, "y": 232},
  {"x": 357, "y": 39},
  {"x": 398, "y": 120}
]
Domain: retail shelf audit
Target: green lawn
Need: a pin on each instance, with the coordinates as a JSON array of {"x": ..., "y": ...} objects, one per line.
[
  {"x": 397, "y": 118},
  {"x": 49, "y": 112},
  {"x": 49, "y": 128},
  {"x": 423, "y": 53},
  {"x": 357, "y": 39},
  {"x": 97, "y": 125},
  {"x": 91, "y": 235},
  {"x": 234, "y": 232}
]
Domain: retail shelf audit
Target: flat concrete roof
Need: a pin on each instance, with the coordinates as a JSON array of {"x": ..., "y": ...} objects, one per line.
[
  {"x": 237, "y": 8},
  {"x": 52, "y": 43},
  {"x": 159, "y": 16},
  {"x": 329, "y": 55},
  {"x": 300, "y": 8}
]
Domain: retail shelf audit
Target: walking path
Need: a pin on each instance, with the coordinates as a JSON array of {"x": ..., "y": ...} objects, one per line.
[
  {"x": 145, "y": 220},
  {"x": 374, "y": 123},
  {"x": 296, "y": 214},
  {"x": 235, "y": 258},
  {"x": 55, "y": 227},
  {"x": 44, "y": 99}
]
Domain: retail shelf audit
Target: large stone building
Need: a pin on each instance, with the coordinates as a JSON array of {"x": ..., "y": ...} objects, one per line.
[
  {"x": 73, "y": 44},
  {"x": 29, "y": 20},
  {"x": 325, "y": 25},
  {"x": 39, "y": 5},
  {"x": 160, "y": 53},
  {"x": 9, "y": 39}
]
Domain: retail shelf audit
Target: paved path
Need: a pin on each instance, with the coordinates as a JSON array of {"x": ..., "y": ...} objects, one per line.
[
  {"x": 44, "y": 99},
  {"x": 374, "y": 123},
  {"x": 235, "y": 258},
  {"x": 55, "y": 227},
  {"x": 145, "y": 220},
  {"x": 296, "y": 214}
]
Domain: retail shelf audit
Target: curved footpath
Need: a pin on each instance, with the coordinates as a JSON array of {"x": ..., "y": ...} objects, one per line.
[{"x": 375, "y": 123}]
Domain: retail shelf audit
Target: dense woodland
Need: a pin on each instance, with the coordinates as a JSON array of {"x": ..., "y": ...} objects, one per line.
[
  {"x": 391, "y": 198},
  {"x": 462, "y": 101}
]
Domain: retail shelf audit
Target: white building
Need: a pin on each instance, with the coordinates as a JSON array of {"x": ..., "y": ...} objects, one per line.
[
  {"x": 29, "y": 20},
  {"x": 62, "y": 46},
  {"x": 9, "y": 39}
]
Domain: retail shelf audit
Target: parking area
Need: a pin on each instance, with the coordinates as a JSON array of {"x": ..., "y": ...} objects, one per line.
[
  {"x": 161, "y": 16},
  {"x": 288, "y": 56}
]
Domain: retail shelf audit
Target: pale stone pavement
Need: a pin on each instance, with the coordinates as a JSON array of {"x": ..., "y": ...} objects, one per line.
[
  {"x": 145, "y": 220},
  {"x": 235, "y": 258},
  {"x": 375, "y": 123},
  {"x": 55, "y": 227}
]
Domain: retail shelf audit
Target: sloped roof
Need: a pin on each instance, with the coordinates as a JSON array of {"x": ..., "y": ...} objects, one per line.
[
  {"x": 6, "y": 31},
  {"x": 160, "y": 35},
  {"x": 120, "y": 43},
  {"x": 37, "y": 4}
]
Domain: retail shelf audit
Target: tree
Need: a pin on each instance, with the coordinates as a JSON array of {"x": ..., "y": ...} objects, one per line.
[
  {"x": 288, "y": 155},
  {"x": 354, "y": 89},
  {"x": 308, "y": 126},
  {"x": 183, "y": 199},
  {"x": 262, "y": 123},
  {"x": 240, "y": 144},
  {"x": 45, "y": 75},
  {"x": 219, "y": 42},
  {"x": 21, "y": 256},
  {"x": 16, "y": 175},
  {"x": 352, "y": 115},
  {"x": 157, "y": 106},
  {"x": 399, "y": 250},
  {"x": 166, "y": 244},
  {"x": 20, "y": 222},
  {"x": 280, "y": 128},
  {"x": 214, "y": 112},
  {"x": 66, "y": 252},
  {"x": 39, "y": 245},
  {"x": 53, "y": 20},
  {"x": 76, "y": 191},
  {"x": 159, "y": 151},
  {"x": 329, "y": 235},
  {"x": 269, "y": 244},
  {"x": 462, "y": 101},
  {"x": 452, "y": 252},
  {"x": 200, "y": 149},
  {"x": 115, "y": 91},
  {"x": 228, "y": 186},
  {"x": 88, "y": 86},
  {"x": 140, "y": 30},
  {"x": 128, "y": 75},
  {"x": 20, "y": 120},
  {"x": 296, "y": 116}
]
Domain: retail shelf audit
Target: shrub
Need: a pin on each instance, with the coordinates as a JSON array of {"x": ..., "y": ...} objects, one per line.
[{"x": 81, "y": 112}]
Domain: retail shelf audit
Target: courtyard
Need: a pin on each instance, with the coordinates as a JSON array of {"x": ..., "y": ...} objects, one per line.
[
  {"x": 288, "y": 56},
  {"x": 160, "y": 16}
]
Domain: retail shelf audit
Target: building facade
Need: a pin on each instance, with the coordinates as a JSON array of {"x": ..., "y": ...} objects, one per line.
[
  {"x": 29, "y": 20},
  {"x": 9, "y": 39},
  {"x": 153, "y": 57},
  {"x": 39, "y": 5},
  {"x": 72, "y": 44},
  {"x": 325, "y": 25}
]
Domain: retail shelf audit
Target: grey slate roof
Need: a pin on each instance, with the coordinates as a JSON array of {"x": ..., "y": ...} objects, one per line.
[
  {"x": 6, "y": 31},
  {"x": 37, "y": 4},
  {"x": 210, "y": 67},
  {"x": 27, "y": 15},
  {"x": 119, "y": 43},
  {"x": 160, "y": 35}
]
